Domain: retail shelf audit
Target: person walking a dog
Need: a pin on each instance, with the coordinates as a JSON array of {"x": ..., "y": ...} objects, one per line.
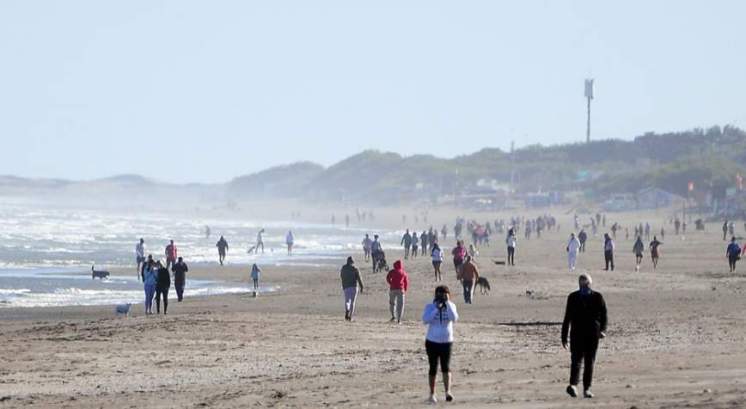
[
  {"x": 351, "y": 284},
  {"x": 179, "y": 269},
  {"x": 585, "y": 321},
  {"x": 222, "y": 246},
  {"x": 468, "y": 276},
  {"x": 398, "y": 281},
  {"x": 437, "y": 257},
  {"x": 439, "y": 317},
  {"x": 140, "y": 257},
  {"x": 573, "y": 246}
]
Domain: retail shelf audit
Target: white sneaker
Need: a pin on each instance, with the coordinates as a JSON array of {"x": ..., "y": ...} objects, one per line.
[
  {"x": 432, "y": 400},
  {"x": 587, "y": 394}
]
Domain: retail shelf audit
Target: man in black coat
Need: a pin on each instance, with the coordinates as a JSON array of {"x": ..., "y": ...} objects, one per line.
[{"x": 585, "y": 320}]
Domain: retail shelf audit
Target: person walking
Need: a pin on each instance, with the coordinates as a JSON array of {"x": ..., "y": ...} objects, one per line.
[
  {"x": 149, "y": 278},
  {"x": 140, "y": 257},
  {"x": 222, "y": 246},
  {"x": 398, "y": 285},
  {"x": 256, "y": 274},
  {"x": 573, "y": 246},
  {"x": 437, "y": 256},
  {"x": 733, "y": 253},
  {"x": 439, "y": 317},
  {"x": 259, "y": 241},
  {"x": 510, "y": 241},
  {"x": 406, "y": 241},
  {"x": 367, "y": 243},
  {"x": 171, "y": 254},
  {"x": 725, "y": 229},
  {"x": 585, "y": 320},
  {"x": 654, "y": 252},
  {"x": 179, "y": 269},
  {"x": 415, "y": 244},
  {"x": 639, "y": 249},
  {"x": 469, "y": 276},
  {"x": 459, "y": 254},
  {"x": 424, "y": 237},
  {"x": 290, "y": 240},
  {"x": 351, "y": 284},
  {"x": 608, "y": 252},
  {"x": 162, "y": 285},
  {"x": 582, "y": 237}
]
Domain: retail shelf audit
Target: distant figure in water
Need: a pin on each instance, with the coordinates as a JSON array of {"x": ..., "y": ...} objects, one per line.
[
  {"x": 351, "y": 284},
  {"x": 654, "y": 252},
  {"x": 290, "y": 240},
  {"x": 140, "y": 257},
  {"x": 347, "y": 221},
  {"x": 259, "y": 242},
  {"x": 207, "y": 232},
  {"x": 222, "y": 246},
  {"x": 256, "y": 274},
  {"x": 733, "y": 253},
  {"x": 585, "y": 321},
  {"x": 334, "y": 220}
]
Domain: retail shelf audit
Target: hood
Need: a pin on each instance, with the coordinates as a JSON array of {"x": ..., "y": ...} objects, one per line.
[{"x": 397, "y": 265}]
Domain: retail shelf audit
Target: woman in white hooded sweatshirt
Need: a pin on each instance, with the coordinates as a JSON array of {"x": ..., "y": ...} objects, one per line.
[{"x": 440, "y": 316}]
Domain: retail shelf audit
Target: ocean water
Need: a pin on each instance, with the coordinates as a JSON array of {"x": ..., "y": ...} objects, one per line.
[{"x": 46, "y": 254}]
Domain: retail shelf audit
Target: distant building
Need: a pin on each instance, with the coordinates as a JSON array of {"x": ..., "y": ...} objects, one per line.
[{"x": 654, "y": 198}]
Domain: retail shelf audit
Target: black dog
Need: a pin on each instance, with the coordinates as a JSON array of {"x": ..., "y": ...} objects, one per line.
[
  {"x": 98, "y": 274},
  {"x": 484, "y": 285}
]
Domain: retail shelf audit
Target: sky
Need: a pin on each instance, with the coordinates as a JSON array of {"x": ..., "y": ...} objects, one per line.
[{"x": 198, "y": 91}]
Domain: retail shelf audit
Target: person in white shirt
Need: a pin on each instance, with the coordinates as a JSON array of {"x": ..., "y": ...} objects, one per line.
[
  {"x": 140, "y": 256},
  {"x": 573, "y": 246},
  {"x": 437, "y": 255},
  {"x": 439, "y": 317},
  {"x": 289, "y": 240},
  {"x": 510, "y": 241}
]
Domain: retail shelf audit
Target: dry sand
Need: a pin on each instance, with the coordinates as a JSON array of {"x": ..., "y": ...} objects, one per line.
[{"x": 675, "y": 339}]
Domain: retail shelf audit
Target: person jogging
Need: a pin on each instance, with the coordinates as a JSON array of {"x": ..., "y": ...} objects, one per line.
[
  {"x": 398, "y": 285},
  {"x": 585, "y": 321},
  {"x": 654, "y": 252},
  {"x": 639, "y": 249},
  {"x": 351, "y": 284},
  {"x": 222, "y": 246},
  {"x": 608, "y": 252},
  {"x": 510, "y": 241},
  {"x": 733, "y": 253},
  {"x": 140, "y": 257},
  {"x": 572, "y": 248},
  {"x": 162, "y": 285},
  {"x": 437, "y": 256},
  {"x": 439, "y": 317},
  {"x": 179, "y": 269}
]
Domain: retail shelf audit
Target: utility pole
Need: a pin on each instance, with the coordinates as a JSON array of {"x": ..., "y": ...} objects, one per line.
[{"x": 588, "y": 97}]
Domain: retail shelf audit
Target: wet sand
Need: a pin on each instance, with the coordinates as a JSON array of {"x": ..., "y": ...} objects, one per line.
[{"x": 675, "y": 338}]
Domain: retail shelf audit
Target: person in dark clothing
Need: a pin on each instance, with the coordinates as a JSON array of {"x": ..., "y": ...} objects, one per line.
[
  {"x": 585, "y": 320},
  {"x": 163, "y": 283},
  {"x": 609, "y": 252},
  {"x": 582, "y": 237},
  {"x": 180, "y": 269},
  {"x": 733, "y": 253},
  {"x": 406, "y": 241},
  {"x": 222, "y": 246}
]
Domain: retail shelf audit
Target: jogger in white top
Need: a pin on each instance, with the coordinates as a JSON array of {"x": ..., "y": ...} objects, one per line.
[{"x": 572, "y": 251}]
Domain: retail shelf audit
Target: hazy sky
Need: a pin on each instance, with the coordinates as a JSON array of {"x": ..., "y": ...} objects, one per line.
[{"x": 205, "y": 91}]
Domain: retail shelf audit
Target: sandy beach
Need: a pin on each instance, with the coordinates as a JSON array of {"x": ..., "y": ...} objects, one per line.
[{"x": 675, "y": 338}]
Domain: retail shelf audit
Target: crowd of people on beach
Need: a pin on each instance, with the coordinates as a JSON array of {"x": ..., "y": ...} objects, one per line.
[{"x": 156, "y": 277}]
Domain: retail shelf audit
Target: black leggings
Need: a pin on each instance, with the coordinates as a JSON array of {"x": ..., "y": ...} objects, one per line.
[
  {"x": 511, "y": 256},
  {"x": 438, "y": 351},
  {"x": 158, "y": 293}
]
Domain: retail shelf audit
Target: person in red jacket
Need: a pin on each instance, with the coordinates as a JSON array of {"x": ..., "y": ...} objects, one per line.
[
  {"x": 398, "y": 286},
  {"x": 170, "y": 255}
]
